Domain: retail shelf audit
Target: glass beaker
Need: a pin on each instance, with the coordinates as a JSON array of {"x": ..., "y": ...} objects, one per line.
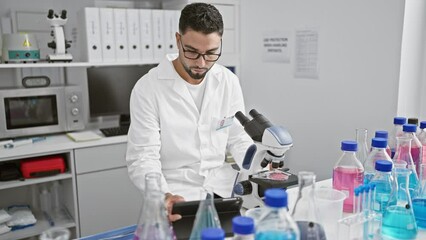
[
  {"x": 305, "y": 211},
  {"x": 403, "y": 155},
  {"x": 206, "y": 216},
  {"x": 330, "y": 208},
  {"x": 361, "y": 139},
  {"x": 398, "y": 219}
]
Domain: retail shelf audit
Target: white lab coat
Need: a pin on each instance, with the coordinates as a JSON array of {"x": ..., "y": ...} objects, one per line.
[{"x": 169, "y": 135}]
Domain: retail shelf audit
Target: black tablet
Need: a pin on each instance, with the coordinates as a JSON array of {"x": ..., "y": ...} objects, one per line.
[{"x": 227, "y": 208}]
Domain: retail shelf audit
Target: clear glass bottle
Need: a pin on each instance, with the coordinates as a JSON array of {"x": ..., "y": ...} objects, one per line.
[
  {"x": 348, "y": 173},
  {"x": 384, "y": 134},
  {"x": 276, "y": 222},
  {"x": 396, "y": 132},
  {"x": 206, "y": 216},
  {"x": 305, "y": 211},
  {"x": 416, "y": 145},
  {"x": 212, "y": 234},
  {"x": 403, "y": 156},
  {"x": 384, "y": 182},
  {"x": 361, "y": 139},
  {"x": 414, "y": 121},
  {"x": 398, "y": 218},
  {"x": 153, "y": 223},
  {"x": 243, "y": 228},
  {"x": 378, "y": 151},
  {"x": 422, "y": 138}
]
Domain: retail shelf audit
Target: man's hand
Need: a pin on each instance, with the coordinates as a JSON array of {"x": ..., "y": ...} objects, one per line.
[{"x": 170, "y": 200}]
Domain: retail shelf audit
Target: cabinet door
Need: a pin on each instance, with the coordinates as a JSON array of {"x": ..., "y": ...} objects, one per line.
[
  {"x": 100, "y": 158},
  {"x": 107, "y": 200}
]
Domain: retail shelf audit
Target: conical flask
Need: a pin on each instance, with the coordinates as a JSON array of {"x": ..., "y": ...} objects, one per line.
[
  {"x": 206, "y": 216},
  {"x": 361, "y": 139},
  {"x": 305, "y": 211},
  {"x": 419, "y": 202},
  {"x": 403, "y": 155},
  {"x": 398, "y": 218},
  {"x": 153, "y": 223}
]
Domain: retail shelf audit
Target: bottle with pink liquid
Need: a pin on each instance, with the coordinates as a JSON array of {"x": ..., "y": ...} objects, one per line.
[
  {"x": 348, "y": 173},
  {"x": 416, "y": 145}
]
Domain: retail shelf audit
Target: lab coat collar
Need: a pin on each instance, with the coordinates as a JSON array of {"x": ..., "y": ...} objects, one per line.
[{"x": 213, "y": 78}]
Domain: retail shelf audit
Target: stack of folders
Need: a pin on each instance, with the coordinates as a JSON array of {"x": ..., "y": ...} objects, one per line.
[{"x": 128, "y": 35}]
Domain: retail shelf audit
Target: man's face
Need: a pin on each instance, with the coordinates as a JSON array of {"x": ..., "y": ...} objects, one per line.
[{"x": 193, "y": 43}]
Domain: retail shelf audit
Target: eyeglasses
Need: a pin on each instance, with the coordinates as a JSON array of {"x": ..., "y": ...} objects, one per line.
[{"x": 208, "y": 57}]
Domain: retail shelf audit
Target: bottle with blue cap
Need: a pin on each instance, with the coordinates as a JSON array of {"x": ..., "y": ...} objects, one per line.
[
  {"x": 416, "y": 145},
  {"x": 378, "y": 151},
  {"x": 384, "y": 182},
  {"x": 348, "y": 173},
  {"x": 396, "y": 132},
  {"x": 276, "y": 222},
  {"x": 243, "y": 228},
  {"x": 403, "y": 159},
  {"x": 384, "y": 134},
  {"x": 212, "y": 234}
]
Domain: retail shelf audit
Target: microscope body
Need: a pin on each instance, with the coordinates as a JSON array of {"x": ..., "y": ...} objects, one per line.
[
  {"x": 268, "y": 151},
  {"x": 59, "y": 44}
]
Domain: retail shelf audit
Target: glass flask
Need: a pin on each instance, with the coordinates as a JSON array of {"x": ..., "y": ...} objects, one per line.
[
  {"x": 419, "y": 202},
  {"x": 396, "y": 132},
  {"x": 416, "y": 145},
  {"x": 361, "y": 139},
  {"x": 378, "y": 151},
  {"x": 384, "y": 182},
  {"x": 206, "y": 216},
  {"x": 348, "y": 173},
  {"x": 398, "y": 219},
  {"x": 385, "y": 135},
  {"x": 403, "y": 156},
  {"x": 305, "y": 211},
  {"x": 153, "y": 223},
  {"x": 275, "y": 222}
]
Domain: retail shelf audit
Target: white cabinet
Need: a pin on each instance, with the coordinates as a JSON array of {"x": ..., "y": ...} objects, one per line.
[
  {"x": 107, "y": 199},
  {"x": 27, "y": 192}
]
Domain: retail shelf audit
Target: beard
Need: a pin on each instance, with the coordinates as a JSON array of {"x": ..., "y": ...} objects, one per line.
[{"x": 196, "y": 76}]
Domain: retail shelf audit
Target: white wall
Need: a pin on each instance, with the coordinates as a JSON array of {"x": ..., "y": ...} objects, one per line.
[{"x": 359, "y": 60}]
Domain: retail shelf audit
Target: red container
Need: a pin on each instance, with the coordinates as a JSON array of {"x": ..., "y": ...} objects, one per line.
[{"x": 42, "y": 166}]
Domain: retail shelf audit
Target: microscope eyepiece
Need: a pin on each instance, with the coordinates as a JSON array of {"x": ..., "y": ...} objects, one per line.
[
  {"x": 242, "y": 118},
  {"x": 50, "y": 14},
  {"x": 64, "y": 14}
]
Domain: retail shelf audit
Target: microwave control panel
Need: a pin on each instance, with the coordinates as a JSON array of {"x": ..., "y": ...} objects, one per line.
[{"x": 74, "y": 108}]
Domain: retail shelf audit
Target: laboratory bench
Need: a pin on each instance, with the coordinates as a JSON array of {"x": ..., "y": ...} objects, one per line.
[{"x": 97, "y": 194}]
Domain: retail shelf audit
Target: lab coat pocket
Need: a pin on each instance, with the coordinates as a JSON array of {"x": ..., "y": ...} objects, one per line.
[{"x": 219, "y": 137}]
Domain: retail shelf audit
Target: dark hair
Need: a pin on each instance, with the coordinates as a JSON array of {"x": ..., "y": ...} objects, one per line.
[{"x": 201, "y": 17}]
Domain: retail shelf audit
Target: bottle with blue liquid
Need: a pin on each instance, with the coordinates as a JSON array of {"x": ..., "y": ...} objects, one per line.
[
  {"x": 243, "y": 228},
  {"x": 396, "y": 132},
  {"x": 378, "y": 152},
  {"x": 398, "y": 219},
  {"x": 419, "y": 202},
  {"x": 384, "y": 182},
  {"x": 275, "y": 222}
]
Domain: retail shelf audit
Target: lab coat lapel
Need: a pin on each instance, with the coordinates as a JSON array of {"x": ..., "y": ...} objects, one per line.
[{"x": 213, "y": 79}]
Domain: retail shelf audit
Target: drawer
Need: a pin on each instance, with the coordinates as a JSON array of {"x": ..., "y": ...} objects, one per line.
[{"x": 100, "y": 158}]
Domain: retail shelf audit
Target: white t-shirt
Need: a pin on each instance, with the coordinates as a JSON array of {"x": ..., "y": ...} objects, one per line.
[{"x": 197, "y": 93}]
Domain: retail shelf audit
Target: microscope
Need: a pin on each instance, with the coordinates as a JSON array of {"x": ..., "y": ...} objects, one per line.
[
  {"x": 59, "y": 44},
  {"x": 262, "y": 167}
]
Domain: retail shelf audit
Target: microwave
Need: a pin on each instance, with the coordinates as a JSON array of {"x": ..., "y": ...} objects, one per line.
[{"x": 33, "y": 111}]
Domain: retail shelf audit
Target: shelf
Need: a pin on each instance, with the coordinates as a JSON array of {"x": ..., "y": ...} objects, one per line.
[
  {"x": 41, "y": 225},
  {"x": 73, "y": 64},
  {"x": 18, "y": 183}
]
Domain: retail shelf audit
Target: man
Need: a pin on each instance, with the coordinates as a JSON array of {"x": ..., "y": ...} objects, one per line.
[{"x": 182, "y": 114}]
